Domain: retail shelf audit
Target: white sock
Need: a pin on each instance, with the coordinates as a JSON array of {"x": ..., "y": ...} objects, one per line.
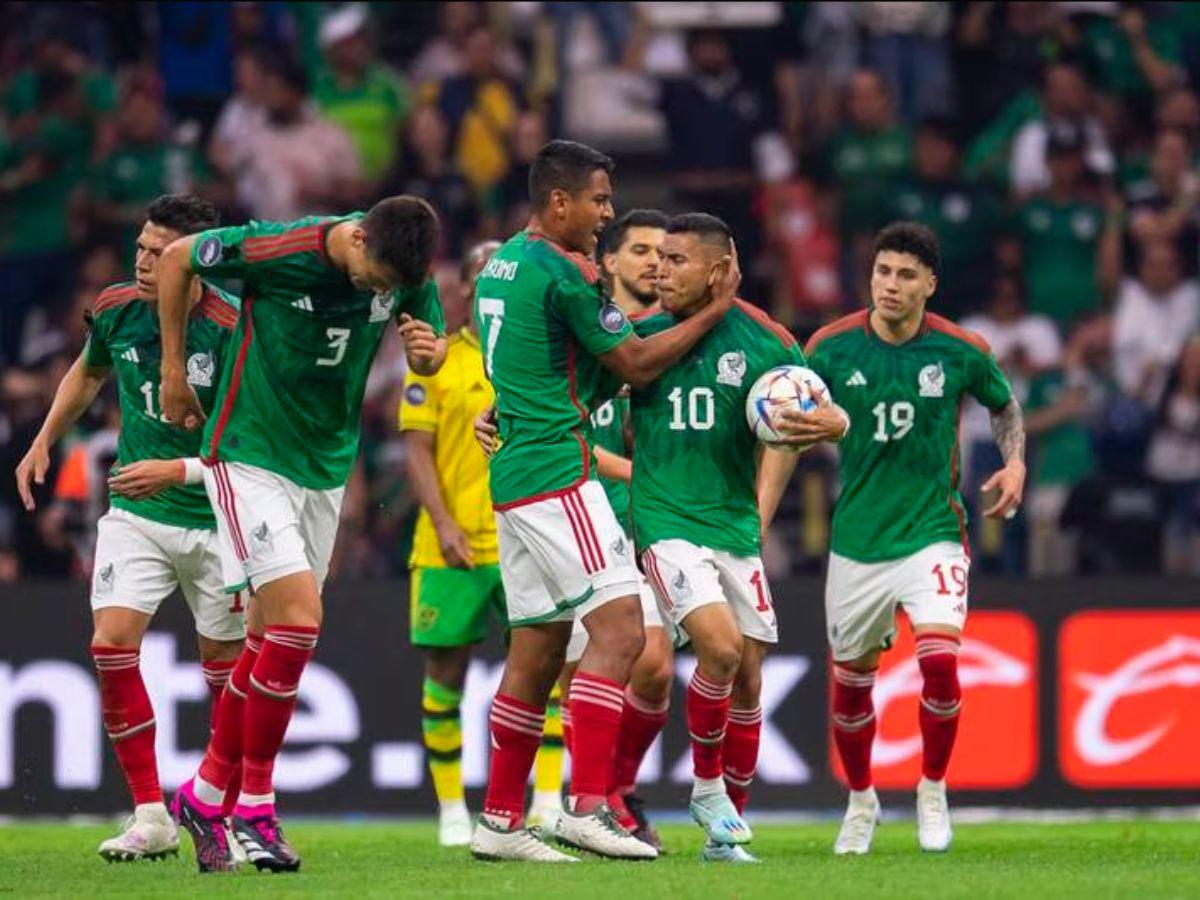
[
  {"x": 245, "y": 799},
  {"x": 155, "y": 810},
  {"x": 708, "y": 786},
  {"x": 544, "y": 799},
  {"x": 207, "y": 793},
  {"x": 455, "y": 808}
]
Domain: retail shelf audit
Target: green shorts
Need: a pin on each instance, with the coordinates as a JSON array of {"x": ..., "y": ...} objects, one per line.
[{"x": 450, "y": 607}]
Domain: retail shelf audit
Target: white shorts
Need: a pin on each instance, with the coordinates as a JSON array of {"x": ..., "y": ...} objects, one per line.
[
  {"x": 686, "y": 576},
  {"x": 273, "y": 527},
  {"x": 861, "y": 598},
  {"x": 562, "y": 556},
  {"x": 651, "y": 618},
  {"x": 139, "y": 563}
]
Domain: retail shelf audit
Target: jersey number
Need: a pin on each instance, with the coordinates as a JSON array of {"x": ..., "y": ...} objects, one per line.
[
  {"x": 756, "y": 580},
  {"x": 604, "y": 414},
  {"x": 492, "y": 313},
  {"x": 957, "y": 574},
  {"x": 900, "y": 415},
  {"x": 700, "y": 409},
  {"x": 147, "y": 390},
  {"x": 339, "y": 339}
]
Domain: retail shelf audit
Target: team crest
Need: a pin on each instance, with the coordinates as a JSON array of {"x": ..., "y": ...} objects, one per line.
[
  {"x": 261, "y": 541},
  {"x": 200, "y": 369},
  {"x": 381, "y": 306},
  {"x": 618, "y": 547},
  {"x": 932, "y": 381},
  {"x": 731, "y": 368},
  {"x": 106, "y": 579},
  {"x": 680, "y": 587}
]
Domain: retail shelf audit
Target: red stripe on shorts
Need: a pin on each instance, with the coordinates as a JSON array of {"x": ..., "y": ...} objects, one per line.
[
  {"x": 651, "y": 563},
  {"x": 589, "y": 528},
  {"x": 229, "y": 506},
  {"x": 584, "y": 550}
]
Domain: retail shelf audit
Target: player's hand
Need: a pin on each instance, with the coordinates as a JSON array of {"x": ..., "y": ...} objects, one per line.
[
  {"x": 179, "y": 403},
  {"x": 825, "y": 423},
  {"x": 726, "y": 279},
  {"x": 1010, "y": 482},
  {"x": 146, "y": 477},
  {"x": 32, "y": 470},
  {"x": 420, "y": 343},
  {"x": 456, "y": 548},
  {"x": 486, "y": 431}
]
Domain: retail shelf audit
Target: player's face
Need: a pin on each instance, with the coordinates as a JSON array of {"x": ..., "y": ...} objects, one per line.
[
  {"x": 635, "y": 264},
  {"x": 685, "y": 271},
  {"x": 585, "y": 214},
  {"x": 901, "y": 285},
  {"x": 151, "y": 242}
]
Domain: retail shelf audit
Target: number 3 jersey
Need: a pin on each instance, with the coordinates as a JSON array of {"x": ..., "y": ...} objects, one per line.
[
  {"x": 899, "y": 465},
  {"x": 125, "y": 338},
  {"x": 292, "y": 389},
  {"x": 694, "y": 456}
]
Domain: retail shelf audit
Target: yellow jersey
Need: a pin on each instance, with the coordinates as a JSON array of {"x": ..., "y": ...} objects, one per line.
[{"x": 446, "y": 405}]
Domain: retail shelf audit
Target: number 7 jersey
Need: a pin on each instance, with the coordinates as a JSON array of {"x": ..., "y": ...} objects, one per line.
[{"x": 899, "y": 465}]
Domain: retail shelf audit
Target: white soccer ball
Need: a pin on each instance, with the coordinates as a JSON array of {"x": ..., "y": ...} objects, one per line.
[{"x": 780, "y": 388}]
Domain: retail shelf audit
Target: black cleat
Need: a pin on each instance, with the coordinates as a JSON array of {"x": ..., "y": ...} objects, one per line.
[
  {"x": 211, "y": 840},
  {"x": 644, "y": 832},
  {"x": 262, "y": 839}
]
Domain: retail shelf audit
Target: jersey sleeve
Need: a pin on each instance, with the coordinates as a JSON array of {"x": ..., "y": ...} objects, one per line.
[
  {"x": 95, "y": 351},
  {"x": 817, "y": 359},
  {"x": 988, "y": 384},
  {"x": 220, "y": 252},
  {"x": 597, "y": 325},
  {"x": 419, "y": 403},
  {"x": 425, "y": 303}
]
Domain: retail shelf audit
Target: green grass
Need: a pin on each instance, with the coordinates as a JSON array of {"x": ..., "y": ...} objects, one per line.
[{"x": 1109, "y": 859}]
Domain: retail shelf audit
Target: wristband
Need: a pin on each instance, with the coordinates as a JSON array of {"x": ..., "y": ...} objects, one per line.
[{"x": 193, "y": 470}]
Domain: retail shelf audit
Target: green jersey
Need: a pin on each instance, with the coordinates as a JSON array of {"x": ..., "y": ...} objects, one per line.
[
  {"x": 899, "y": 464},
  {"x": 543, "y": 321},
  {"x": 611, "y": 431},
  {"x": 125, "y": 338},
  {"x": 1059, "y": 242},
  {"x": 291, "y": 394},
  {"x": 695, "y": 463}
]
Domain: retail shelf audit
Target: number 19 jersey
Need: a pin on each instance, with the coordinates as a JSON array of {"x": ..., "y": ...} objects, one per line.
[{"x": 899, "y": 464}]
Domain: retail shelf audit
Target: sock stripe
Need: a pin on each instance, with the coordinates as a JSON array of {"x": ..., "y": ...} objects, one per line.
[
  {"x": 254, "y": 642},
  {"x": 285, "y": 694},
  {"x": 292, "y": 639},
  {"x": 501, "y": 716},
  {"x": 710, "y": 740},
  {"x": 943, "y": 710},
  {"x": 746, "y": 716},
  {"x": 851, "y": 678},
  {"x": 522, "y": 713},
  {"x": 853, "y": 723},
  {"x": 441, "y": 715},
  {"x": 444, "y": 756},
  {"x": 610, "y": 692},
  {"x": 709, "y": 690},
  {"x": 738, "y": 779},
  {"x": 131, "y": 731}
]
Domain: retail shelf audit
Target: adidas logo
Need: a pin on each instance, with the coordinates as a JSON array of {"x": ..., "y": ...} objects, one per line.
[
  {"x": 131, "y": 355},
  {"x": 304, "y": 303},
  {"x": 858, "y": 379}
]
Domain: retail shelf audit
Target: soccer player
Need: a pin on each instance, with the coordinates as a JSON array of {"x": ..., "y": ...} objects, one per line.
[
  {"x": 696, "y": 517},
  {"x": 148, "y": 546},
  {"x": 546, "y": 333},
  {"x": 899, "y": 527},
  {"x": 278, "y": 452},
  {"x": 455, "y": 568},
  {"x": 628, "y": 255}
]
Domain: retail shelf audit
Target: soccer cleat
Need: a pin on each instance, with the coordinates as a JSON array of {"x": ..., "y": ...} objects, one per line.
[
  {"x": 545, "y": 810},
  {"x": 858, "y": 826},
  {"x": 726, "y": 853},
  {"x": 599, "y": 832},
  {"x": 645, "y": 832},
  {"x": 235, "y": 849},
  {"x": 716, "y": 814},
  {"x": 933, "y": 816},
  {"x": 454, "y": 825},
  {"x": 262, "y": 839},
  {"x": 496, "y": 845},
  {"x": 148, "y": 834},
  {"x": 208, "y": 831}
]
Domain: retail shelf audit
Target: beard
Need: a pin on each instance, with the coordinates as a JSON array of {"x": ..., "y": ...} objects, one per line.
[{"x": 638, "y": 293}]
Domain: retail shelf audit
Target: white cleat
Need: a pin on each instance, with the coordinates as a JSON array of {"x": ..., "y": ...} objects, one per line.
[
  {"x": 727, "y": 853},
  {"x": 933, "y": 816},
  {"x": 150, "y": 833},
  {"x": 454, "y": 825},
  {"x": 545, "y": 810},
  {"x": 495, "y": 845},
  {"x": 858, "y": 826},
  {"x": 599, "y": 832}
]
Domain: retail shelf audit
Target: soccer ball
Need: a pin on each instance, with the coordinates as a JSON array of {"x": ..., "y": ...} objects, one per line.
[{"x": 783, "y": 387}]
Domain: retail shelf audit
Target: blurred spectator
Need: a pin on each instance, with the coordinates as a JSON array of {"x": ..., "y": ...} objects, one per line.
[
  {"x": 194, "y": 52},
  {"x": 1156, "y": 312},
  {"x": 242, "y": 117},
  {"x": 1173, "y": 461},
  {"x": 1059, "y": 235},
  {"x": 298, "y": 163},
  {"x": 1066, "y": 105},
  {"x": 509, "y": 202},
  {"x": 445, "y": 54},
  {"x": 354, "y": 90},
  {"x": 906, "y": 45},
  {"x": 1137, "y": 53},
  {"x": 965, "y": 216},
  {"x": 1179, "y": 110},
  {"x": 830, "y": 39},
  {"x": 1164, "y": 205},
  {"x": 481, "y": 107}
]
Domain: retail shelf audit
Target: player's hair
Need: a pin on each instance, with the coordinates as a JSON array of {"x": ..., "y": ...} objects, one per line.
[
  {"x": 614, "y": 234},
  {"x": 564, "y": 166},
  {"x": 708, "y": 228},
  {"x": 185, "y": 213},
  {"x": 481, "y": 252},
  {"x": 402, "y": 233},
  {"x": 911, "y": 238}
]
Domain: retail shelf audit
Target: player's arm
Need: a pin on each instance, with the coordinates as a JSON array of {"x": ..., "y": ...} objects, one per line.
[
  {"x": 775, "y": 468},
  {"x": 1008, "y": 428},
  {"x": 143, "y": 479},
  {"x": 73, "y": 396},
  {"x": 179, "y": 402},
  {"x": 425, "y": 350},
  {"x": 614, "y": 466},
  {"x": 422, "y": 475}
]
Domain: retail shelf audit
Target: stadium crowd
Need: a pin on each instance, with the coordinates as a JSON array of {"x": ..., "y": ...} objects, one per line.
[{"x": 1052, "y": 147}]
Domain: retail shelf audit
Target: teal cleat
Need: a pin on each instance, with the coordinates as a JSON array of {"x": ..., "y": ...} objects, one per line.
[
  {"x": 716, "y": 814},
  {"x": 726, "y": 853}
]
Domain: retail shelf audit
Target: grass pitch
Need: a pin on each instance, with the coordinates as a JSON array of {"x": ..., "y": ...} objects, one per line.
[{"x": 1142, "y": 859}]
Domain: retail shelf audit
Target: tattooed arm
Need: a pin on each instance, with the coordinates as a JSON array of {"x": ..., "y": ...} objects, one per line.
[{"x": 1008, "y": 428}]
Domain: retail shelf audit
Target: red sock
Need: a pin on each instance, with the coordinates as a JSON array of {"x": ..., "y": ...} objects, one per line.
[
  {"x": 641, "y": 722},
  {"x": 516, "y": 729},
  {"x": 568, "y": 728},
  {"x": 596, "y": 705},
  {"x": 741, "y": 753},
  {"x": 128, "y": 719},
  {"x": 222, "y": 764},
  {"x": 707, "y": 717},
  {"x": 854, "y": 723},
  {"x": 274, "y": 686},
  {"x": 216, "y": 676},
  {"x": 941, "y": 701}
]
